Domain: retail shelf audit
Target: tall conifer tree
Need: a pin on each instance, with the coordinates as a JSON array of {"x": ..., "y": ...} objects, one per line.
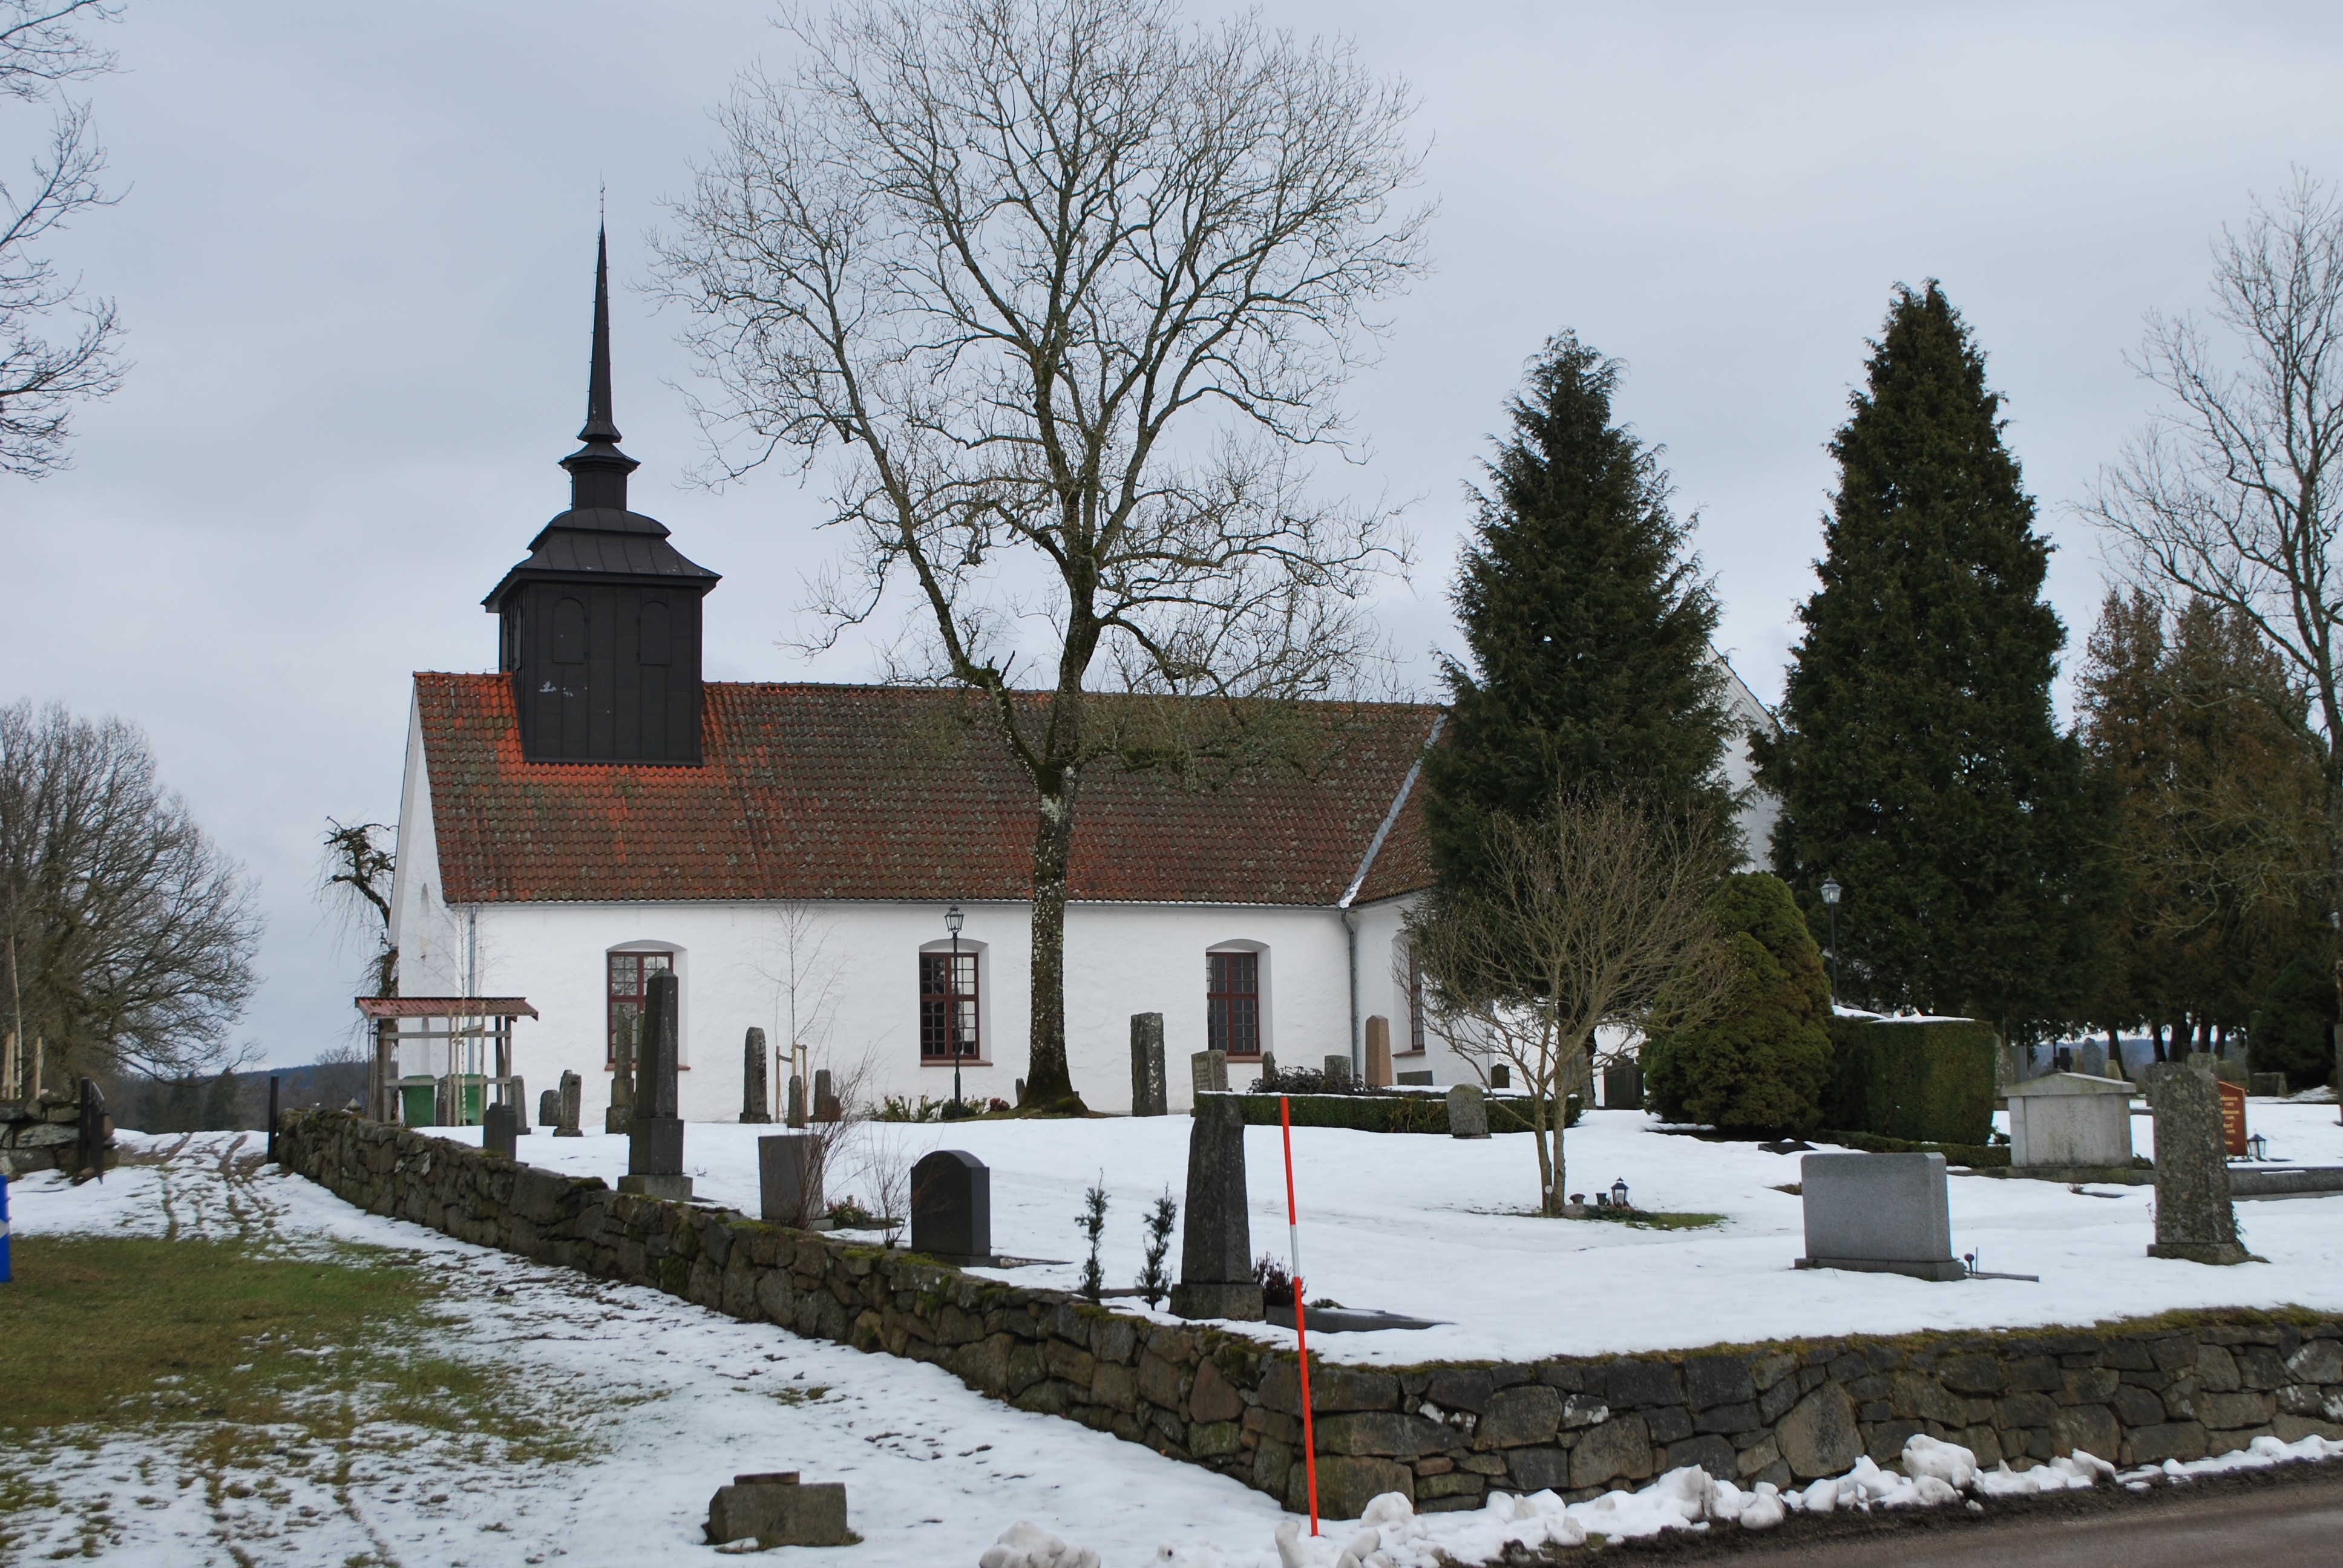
[
  {"x": 1920, "y": 763},
  {"x": 1588, "y": 623}
]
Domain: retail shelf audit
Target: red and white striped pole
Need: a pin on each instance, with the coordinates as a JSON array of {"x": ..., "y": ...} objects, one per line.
[{"x": 1300, "y": 1331}]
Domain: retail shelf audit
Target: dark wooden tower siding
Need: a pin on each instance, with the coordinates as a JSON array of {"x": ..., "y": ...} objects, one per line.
[{"x": 600, "y": 628}]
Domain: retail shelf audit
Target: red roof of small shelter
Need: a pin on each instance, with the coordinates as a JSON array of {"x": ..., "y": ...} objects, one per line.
[
  {"x": 833, "y": 793},
  {"x": 445, "y": 1006}
]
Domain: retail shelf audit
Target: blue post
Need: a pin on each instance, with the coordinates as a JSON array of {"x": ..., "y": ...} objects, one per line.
[{"x": 4, "y": 1275}]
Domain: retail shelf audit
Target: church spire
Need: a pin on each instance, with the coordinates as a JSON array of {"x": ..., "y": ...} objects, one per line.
[
  {"x": 598, "y": 470},
  {"x": 598, "y": 425}
]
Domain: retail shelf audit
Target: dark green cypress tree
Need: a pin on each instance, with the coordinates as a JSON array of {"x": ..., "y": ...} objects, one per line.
[
  {"x": 1588, "y": 623},
  {"x": 2293, "y": 1031},
  {"x": 1919, "y": 761},
  {"x": 1763, "y": 1062}
]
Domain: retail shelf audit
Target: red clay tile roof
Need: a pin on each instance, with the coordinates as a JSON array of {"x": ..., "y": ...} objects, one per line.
[{"x": 883, "y": 793}]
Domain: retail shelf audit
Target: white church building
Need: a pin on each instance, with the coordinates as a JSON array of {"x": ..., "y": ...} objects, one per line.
[{"x": 594, "y": 813}]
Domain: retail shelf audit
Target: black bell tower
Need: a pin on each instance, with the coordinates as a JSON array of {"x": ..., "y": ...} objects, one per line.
[{"x": 600, "y": 628}]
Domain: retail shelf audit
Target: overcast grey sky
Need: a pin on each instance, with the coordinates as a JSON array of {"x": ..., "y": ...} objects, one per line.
[{"x": 355, "y": 267}]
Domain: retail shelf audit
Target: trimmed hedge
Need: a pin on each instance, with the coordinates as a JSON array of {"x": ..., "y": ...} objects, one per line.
[
  {"x": 1385, "y": 1112},
  {"x": 1975, "y": 1156},
  {"x": 1921, "y": 1082}
]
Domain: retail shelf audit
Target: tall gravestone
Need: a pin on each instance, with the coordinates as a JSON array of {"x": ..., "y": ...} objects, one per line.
[
  {"x": 2194, "y": 1218},
  {"x": 789, "y": 1180},
  {"x": 571, "y": 1102},
  {"x": 1379, "y": 1067},
  {"x": 797, "y": 1099},
  {"x": 1149, "y": 1095},
  {"x": 1468, "y": 1111},
  {"x": 515, "y": 1094},
  {"x": 1216, "y": 1239},
  {"x": 825, "y": 1101},
  {"x": 756, "y": 1084},
  {"x": 2091, "y": 1058},
  {"x": 951, "y": 1208},
  {"x": 620, "y": 1116},
  {"x": 655, "y": 1141},
  {"x": 1208, "y": 1071}
]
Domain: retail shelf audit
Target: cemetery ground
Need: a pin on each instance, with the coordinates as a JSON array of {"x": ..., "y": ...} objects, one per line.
[{"x": 359, "y": 1391}]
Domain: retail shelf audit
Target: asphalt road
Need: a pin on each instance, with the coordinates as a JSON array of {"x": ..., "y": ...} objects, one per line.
[{"x": 2294, "y": 1523}]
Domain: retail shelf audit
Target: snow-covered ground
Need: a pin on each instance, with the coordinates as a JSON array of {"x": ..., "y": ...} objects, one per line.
[
  {"x": 1438, "y": 1228},
  {"x": 674, "y": 1399}
]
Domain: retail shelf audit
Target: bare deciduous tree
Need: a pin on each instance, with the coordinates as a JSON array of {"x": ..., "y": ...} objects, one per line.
[
  {"x": 1595, "y": 915},
  {"x": 1062, "y": 286},
  {"x": 354, "y": 884},
  {"x": 2233, "y": 493},
  {"x": 807, "y": 982},
  {"x": 42, "y": 377},
  {"x": 131, "y": 936}
]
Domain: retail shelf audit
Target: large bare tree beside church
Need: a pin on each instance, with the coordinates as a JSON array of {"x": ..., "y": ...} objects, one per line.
[
  {"x": 1056, "y": 294},
  {"x": 2233, "y": 493},
  {"x": 126, "y": 936}
]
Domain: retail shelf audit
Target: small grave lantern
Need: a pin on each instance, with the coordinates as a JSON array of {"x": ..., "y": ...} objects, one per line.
[{"x": 1619, "y": 1194}]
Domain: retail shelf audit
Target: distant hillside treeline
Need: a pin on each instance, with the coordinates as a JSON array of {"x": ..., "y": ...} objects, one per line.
[{"x": 229, "y": 1101}]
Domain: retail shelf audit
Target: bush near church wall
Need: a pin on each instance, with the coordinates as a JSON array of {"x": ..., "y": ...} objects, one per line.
[
  {"x": 2179, "y": 1387},
  {"x": 1388, "y": 1112},
  {"x": 1923, "y": 1082}
]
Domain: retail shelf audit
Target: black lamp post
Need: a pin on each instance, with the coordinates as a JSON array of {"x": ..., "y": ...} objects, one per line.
[
  {"x": 1830, "y": 902},
  {"x": 952, "y": 999}
]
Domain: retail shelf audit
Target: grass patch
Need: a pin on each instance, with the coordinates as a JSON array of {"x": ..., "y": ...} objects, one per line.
[
  {"x": 125, "y": 1332},
  {"x": 202, "y": 1326}
]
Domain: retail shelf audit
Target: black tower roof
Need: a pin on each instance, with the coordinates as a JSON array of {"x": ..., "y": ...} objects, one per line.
[{"x": 598, "y": 536}]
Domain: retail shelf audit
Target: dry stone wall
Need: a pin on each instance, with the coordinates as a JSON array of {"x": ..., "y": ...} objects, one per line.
[{"x": 1444, "y": 1435}]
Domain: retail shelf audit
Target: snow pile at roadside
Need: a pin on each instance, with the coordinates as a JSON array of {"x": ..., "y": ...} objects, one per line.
[{"x": 1391, "y": 1534}]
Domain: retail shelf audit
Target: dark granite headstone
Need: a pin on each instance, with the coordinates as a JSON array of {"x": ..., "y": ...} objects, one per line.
[
  {"x": 1149, "y": 1096},
  {"x": 789, "y": 1180},
  {"x": 1337, "y": 1072},
  {"x": 756, "y": 1079},
  {"x": 620, "y": 1116},
  {"x": 1622, "y": 1087},
  {"x": 797, "y": 1099},
  {"x": 825, "y": 1101},
  {"x": 1500, "y": 1076},
  {"x": 569, "y": 1102},
  {"x": 1216, "y": 1239},
  {"x": 2194, "y": 1220},
  {"x": 500, "y": 1131},
  {"x": 655, "y": 1140},
  {"x": 1468, "y": 1111},
  {"x": 951, "y": 1208},
  {"x": 548, "y": 1108},
  {"x": 2091, "y": 1058}
]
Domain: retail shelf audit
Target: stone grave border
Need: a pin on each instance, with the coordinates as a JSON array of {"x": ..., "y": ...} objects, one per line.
[{"x": 2181, "y": 1386}]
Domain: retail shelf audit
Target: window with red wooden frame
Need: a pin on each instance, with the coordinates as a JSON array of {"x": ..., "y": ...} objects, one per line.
[
  {"x": 948, "y": 1013},
  {"x": 630, "y": 975},
  {"x": 1233, "y": 1003}
]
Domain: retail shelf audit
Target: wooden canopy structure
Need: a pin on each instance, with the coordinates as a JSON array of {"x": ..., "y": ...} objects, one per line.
[{"x": 477, "y": 1031}]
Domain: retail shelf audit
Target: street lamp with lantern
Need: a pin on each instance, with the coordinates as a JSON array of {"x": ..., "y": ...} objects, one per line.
[
  {"x": 951, "y": 1000},
  {"x": 1830, "y": 901}
]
